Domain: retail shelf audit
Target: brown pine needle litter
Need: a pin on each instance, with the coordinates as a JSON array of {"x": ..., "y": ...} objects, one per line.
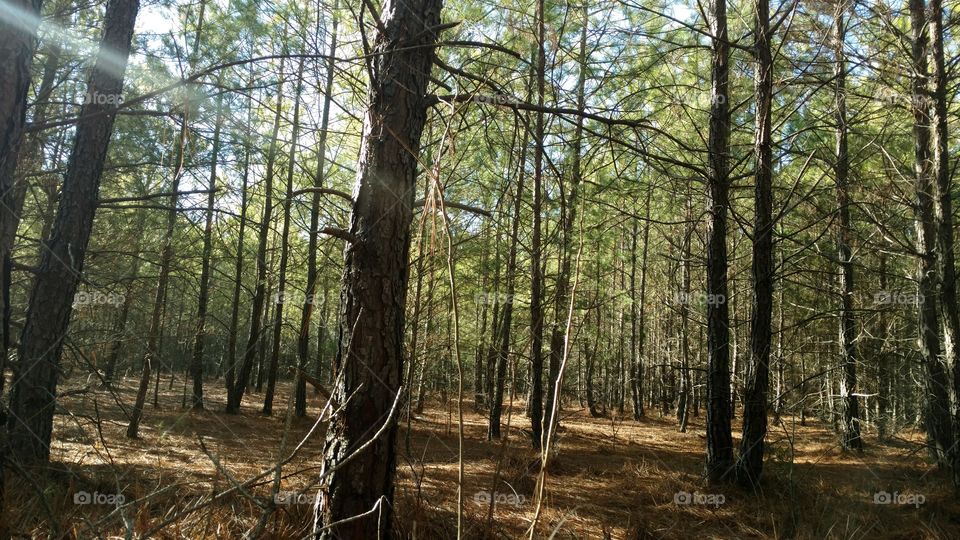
[{"x": 608, "y": 478}]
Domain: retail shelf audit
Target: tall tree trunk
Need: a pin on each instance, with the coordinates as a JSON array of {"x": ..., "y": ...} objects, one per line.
[
  {"x": 719, "y": 439},
  {"x": 750, "y": 463},
  {"x": 32, "y": 399},
  {"x": 937, "y": 417},
  {"x": 506, "y": 320},
  {"x": 850, "y": 431},
  {"x": 306, "y": 313},
  {"x": 949, "y": 309},
  {"x": 568, "y": 216},
  {"x": 235, "y": 394},
  {"x": 884, "y": 424},
  {"x": 358, "y": 480},
  {"x": 155, "y": 333},
  {"x": 18, "y": 41},
  {"x": 536, "y": 267},
  {"x": 120, "y": 325},
  {"x": 13, "y": 196},
  {"x": 196, "y": 364},
  {"x": 284, "y": 251},
  {"x": 230, "y": 375},
  {"x": 683, "y": 407},
  {"x": 638, "y": 329}
]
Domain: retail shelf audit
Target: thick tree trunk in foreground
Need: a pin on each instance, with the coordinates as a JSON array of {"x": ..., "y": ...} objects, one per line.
[
  {"x": 33, "y": 397},
  {"x": 937, "y": 416},
  {"x": 360, "y": 480},
  {"x": 719, "y": 439}
]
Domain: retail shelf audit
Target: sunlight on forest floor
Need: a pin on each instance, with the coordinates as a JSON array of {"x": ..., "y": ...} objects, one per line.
[{"x": 613, "y": 477}]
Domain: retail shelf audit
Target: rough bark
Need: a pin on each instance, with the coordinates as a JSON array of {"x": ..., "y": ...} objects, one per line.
[
  {"x": 18, "y": 41},
  {"x": 949, "y": 309},
  {"x": 360, "y": 480},
  {"x": 937, "y": 418},
  {"x": 719, "y": 439},
  {"x": 33, "y": 395},
  {"x": 750, "y": 462}
]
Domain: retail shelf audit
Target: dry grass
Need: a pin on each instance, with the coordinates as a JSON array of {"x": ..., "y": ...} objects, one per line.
[{"x": 608, "y": 478}]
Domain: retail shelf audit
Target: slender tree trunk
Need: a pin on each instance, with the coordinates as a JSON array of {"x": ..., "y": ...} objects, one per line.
[
  {"x": 850, "y": 431},
  {"x": 427, "y": 332},
  {"x": 230, "y": 374},
  {"x": 196, "y": 365},
  {"x": 719, "y": 439},
  {"x": 32, "y": 399},
  {"x": 883, "y": 362},
  {"x": 284, "y": 251},
  {"x": 120, "y": 325},
  {"x": 154, "y": 336},
  {"x": 306, "y": 313},
  {"x": 536, "y": 267},
  {"x": 506, "y": 320},
  {"x": 750, "y": 464},
  {"x": 568, "y": 217},
  {"x": 937, "y": 416},
  {"x": 235, "y": 394},
  {"x": 683, "y": 407},
  {"x": 358, "y": 480}
]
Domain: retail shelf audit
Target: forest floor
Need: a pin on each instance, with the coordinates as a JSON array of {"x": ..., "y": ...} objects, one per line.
[{"x": 609, "y": 478}]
